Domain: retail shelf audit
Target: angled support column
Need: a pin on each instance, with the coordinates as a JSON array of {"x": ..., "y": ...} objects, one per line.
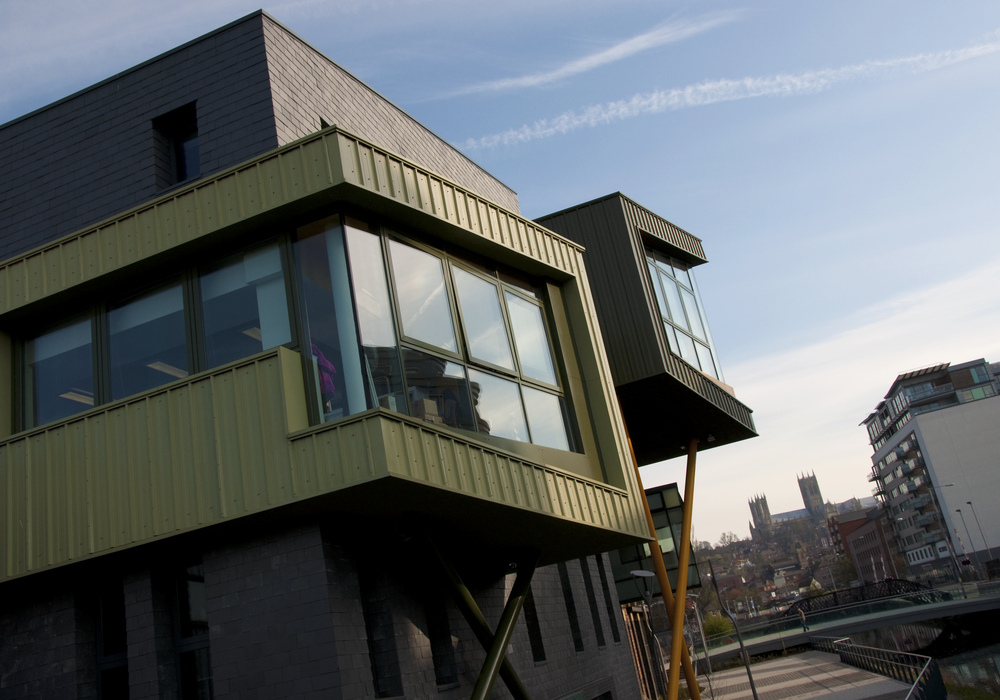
[
  {"x": 683, "y": 556},
  {"x": 496, "y": 656},
  {"x": 661, "y": 576},
  {"x": 477, "y": 621}
]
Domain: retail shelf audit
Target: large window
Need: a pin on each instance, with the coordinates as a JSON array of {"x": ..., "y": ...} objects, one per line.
[
  {"x": 477, "y": 355},
  {"x": 680, "y": 309},
  {"x": 203, "y": 319},
  {"x": 440, "y": 339},
  {"x": 382, "y": 321}
]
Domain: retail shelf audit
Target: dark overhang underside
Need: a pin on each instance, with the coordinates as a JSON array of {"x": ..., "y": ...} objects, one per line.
[{"x": 662, "y": 415}]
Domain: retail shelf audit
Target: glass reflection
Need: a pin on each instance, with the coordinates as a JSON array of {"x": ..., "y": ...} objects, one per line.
[
  {"x": 424, "y": 309},
  {"x": 705, "y": 358},
  {"x": 674, "y": 302},
  {"x": 498, "y": 406},
  {"x": 688, "y": 353},
  {"x": 482, "y": 317},
  {"x": 694, "y": 318},
  {"x": 147, "y": 342},
  {"x": 59, "y": 373},
  {"x": 438, "y": 390},
  {"x": 546, "y": 419},
  {"x": 244, "y": 306},
  {"x": 378, "y": 335},
  {"x": 530, "y": 339},
  {"x": 331, "y": 334}
]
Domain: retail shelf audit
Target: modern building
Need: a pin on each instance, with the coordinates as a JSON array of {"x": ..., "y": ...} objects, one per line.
[
  {"x": 300, "y": 410},
  {"x": 936, "y": 443}
]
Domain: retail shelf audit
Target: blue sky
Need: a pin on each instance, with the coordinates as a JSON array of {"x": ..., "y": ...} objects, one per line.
[{"x": 839, "y": 160}]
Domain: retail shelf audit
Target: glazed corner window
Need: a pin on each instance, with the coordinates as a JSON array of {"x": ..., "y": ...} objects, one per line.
[
  {"x": 392, "y": 324},
  {"x": 59, "y": 372},
  {"x": 476, "y": 352},
  {"x": 681, "y": 312},
  {"x": 176, "y": 146}
]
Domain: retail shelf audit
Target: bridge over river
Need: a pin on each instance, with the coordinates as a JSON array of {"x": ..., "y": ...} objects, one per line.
[{"x": 775, "y": 634}]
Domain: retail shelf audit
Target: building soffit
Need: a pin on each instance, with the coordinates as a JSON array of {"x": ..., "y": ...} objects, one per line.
[{"x": 326, "y": 167}]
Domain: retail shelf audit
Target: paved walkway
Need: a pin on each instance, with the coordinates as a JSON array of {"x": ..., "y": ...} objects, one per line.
[{"x": 813, "y": 674}]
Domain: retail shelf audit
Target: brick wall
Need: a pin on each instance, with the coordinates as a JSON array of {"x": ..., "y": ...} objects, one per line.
[{"x": 46, "y": 645}]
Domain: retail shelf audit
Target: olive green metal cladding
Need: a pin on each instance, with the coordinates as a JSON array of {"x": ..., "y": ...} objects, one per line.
[{"x": 236, "y": 442}]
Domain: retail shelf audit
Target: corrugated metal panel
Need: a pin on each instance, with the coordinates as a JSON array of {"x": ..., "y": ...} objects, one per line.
[
  {"x": 416, "y": 451},
  {"x": 639, "y": 217},
  {"x": 314, "y": 164},
  {"x": 217, "y": 446}
]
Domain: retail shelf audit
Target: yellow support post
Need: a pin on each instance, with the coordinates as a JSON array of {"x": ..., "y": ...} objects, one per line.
[
  {"x": 677, "y": 643},
  {"x": 661, "y": 576}
]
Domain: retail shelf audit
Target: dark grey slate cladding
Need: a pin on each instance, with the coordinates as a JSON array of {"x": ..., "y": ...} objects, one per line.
[
  {"x": 256, "y": 86},
  {"x": 307, "y": 86},
  {"x": 91, "y": 155},
  {"x": 624, "y": 305}
]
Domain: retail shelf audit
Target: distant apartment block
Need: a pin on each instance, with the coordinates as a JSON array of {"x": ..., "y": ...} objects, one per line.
[{"x": 936, "y": 443}]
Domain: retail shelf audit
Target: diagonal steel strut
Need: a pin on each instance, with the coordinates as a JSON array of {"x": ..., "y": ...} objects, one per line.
[{"x": 477, "y": 621}]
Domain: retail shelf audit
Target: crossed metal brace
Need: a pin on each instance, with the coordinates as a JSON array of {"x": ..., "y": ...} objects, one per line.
[{"x": 495, "y": 644}]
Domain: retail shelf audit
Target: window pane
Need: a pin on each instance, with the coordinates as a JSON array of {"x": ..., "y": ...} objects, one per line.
[
  {"x": 688, "y": 352},
  {"x": 682, "y": 274},
  {"x": 148, "y": 342},
  {"x": 705, "y": 357},
  {"x": 196, "y": 675},
  {"x": 691, "y": 306},
  {"x": 378, "y": 335},
  {"x": 672, "y": 337},
  {"x": 59, "y": 372},
  {"x": 483, "y": 320},
  {"x": 424, "y": 308},
  {"x": 674, "y": 302},
  {"x": 545, "y": 417},
  {"x": 244, "y": 306},
  {"x": 498, "y": 406},
  {"x": 661, "y": 303},
  {"x": 438, "y": 390},
  {"x": 331, "y": 335},
  {"x": 530, "y": 340}
]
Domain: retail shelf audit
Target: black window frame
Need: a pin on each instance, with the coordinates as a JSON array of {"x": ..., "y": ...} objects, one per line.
[{"x": 98, "y": 312}]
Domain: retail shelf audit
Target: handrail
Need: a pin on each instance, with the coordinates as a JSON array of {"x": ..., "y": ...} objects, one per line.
[{"x": 920, "y": 671}]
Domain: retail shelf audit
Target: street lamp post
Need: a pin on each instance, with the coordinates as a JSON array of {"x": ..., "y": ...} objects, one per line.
[
  {"x": 947, "y": 534},
  {"x": 989, "y": 553},
  {"x": 979, "y": 566},
  {"x": 701, "y": 630}
]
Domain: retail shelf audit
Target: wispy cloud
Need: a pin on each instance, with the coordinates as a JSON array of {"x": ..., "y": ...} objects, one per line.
[
  {"x": 727, "y": 90},
  {"x": 809, "y": 400},
  {"x": 663, "y": 34}
]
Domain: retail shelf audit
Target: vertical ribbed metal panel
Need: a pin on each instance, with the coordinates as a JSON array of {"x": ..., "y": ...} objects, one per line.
[
  {"x": 295, "y": 171},
  {"x": 617, "y": 285}
]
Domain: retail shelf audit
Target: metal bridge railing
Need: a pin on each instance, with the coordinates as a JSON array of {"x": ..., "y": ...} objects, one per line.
[{"x": 921, "y": 672}]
